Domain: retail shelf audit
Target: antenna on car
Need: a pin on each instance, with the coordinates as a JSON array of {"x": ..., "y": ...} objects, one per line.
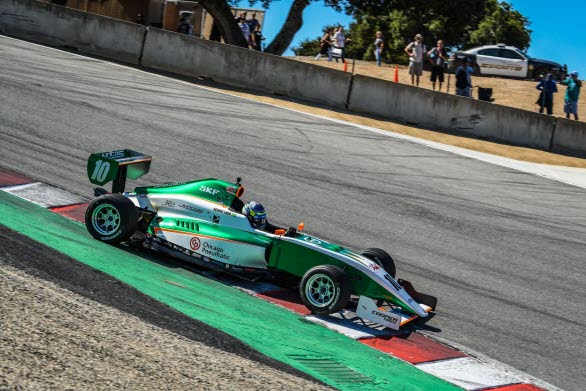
[{"x": 238, "y": 180}]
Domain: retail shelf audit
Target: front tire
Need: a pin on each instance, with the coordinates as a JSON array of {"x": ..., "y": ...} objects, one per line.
[
  {"x": 111, "y": 218},
  {"x": 540, "y": 73},
  {"x": 325, "y": 289},
  {"x": 382, "y": 258}
]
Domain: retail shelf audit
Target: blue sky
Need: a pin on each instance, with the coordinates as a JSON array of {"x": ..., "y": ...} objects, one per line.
[{"x": 558, "y": 33}]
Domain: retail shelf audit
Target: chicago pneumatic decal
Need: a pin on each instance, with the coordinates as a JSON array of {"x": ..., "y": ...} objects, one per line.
[{"x": 194, "y": 243}]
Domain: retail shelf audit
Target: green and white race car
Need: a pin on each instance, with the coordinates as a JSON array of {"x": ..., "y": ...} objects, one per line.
[{"x": 202, "y": 222}]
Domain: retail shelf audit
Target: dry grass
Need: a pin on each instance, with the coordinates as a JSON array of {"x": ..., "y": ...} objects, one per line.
[{"x": 521, "y": 94}]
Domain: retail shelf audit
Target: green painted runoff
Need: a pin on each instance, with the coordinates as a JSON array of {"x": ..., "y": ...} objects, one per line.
[{"x": 273, "y": 331}]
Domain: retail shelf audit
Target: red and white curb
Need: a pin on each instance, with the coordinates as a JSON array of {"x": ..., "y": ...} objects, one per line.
[{"x": 471, "y": 372}]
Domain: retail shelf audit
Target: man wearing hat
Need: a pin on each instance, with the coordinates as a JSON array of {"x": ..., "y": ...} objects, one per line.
[
  {"x": 572, "y": 94},
  {"x": 415, "y": 51}
]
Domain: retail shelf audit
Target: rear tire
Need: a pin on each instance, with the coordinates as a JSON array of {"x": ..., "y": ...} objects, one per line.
[
  {"x": 540, "y": 73},
  {"x": 325, "y": 289},
  {"x": 111, "y": 218},
  {"x": 382, "y": 258}
]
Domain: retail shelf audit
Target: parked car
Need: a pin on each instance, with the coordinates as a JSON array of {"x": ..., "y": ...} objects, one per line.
[{"x": 508, "y": 61}]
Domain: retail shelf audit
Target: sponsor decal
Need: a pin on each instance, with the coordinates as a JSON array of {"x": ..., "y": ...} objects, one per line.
[
  {"x": 223, "y": 211},
  {"x": 231, "y": 189},
  {"x": 191, "y": 208},
  {"x": 114, "y": 154},
  {"x": 312, "y": 240},
  {"x": 169, "y": 184},
  {"x": 386, "y": 317},
  {"x": 498, "y": 66},
  {"x": 169, "y": 203},
  {"x": 214, "y": 251},
  {"x": 194, "y": 243},
  {"x": 374, "y": 266},
  {"x": 209, "y": 190},
  {"x": 215, "y": 219},
  {"x": 393, "y": 282}
]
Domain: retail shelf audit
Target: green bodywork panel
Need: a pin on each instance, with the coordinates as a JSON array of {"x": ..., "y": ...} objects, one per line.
[{"x": 210, "y": 189}]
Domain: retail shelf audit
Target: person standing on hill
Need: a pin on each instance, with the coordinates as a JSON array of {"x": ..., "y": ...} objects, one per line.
[
  {"x": 463, "y": 79},
  {"x": 548, "y": 87},
  {"x": 438, "y": 56},
  {"x": 416, "y": 51},
  {"x": 325, "y": 45},
  {"x": 378, "y": 47},
  {"x": 340, "y": 42},
  {"x": 572, "y": 94}
]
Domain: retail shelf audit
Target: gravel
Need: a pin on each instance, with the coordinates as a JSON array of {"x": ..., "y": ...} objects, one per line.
[{"x": 51, "y": 338}]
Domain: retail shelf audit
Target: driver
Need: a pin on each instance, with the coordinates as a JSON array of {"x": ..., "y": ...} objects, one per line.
[{"x": 257, "y": 216}]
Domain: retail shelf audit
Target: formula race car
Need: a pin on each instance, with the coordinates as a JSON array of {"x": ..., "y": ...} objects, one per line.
[{"x": 202, "y": 222}]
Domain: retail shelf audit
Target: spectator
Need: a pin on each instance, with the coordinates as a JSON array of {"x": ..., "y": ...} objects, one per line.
[
  {"x": 140, "y": 19},
  {"x": 416, "y": 50},
  {"x": 252, "y": 23},
  {"x": 340, "y": 42},
  {"x": 257, "y": 38},
  {"x": 548, "y": 87},
  {"x": 325, "y": 45},
  {"x": 245, "y": 29},
  {"x": 572, "y": 94},
  {"x": 378, "y": 47},
  {"x": 184, "y": 27},
  {"x": 438, "y": 56},
  {"x": 463, "y": 79}
]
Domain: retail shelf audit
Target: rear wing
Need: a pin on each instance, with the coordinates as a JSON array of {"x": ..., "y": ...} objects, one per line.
[{"x": 116, "y": 166}]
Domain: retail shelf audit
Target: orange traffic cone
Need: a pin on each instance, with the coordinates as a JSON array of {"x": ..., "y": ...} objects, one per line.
[
  {"x": 345, "y": 65},
  {"x": 396, "y": 78}
]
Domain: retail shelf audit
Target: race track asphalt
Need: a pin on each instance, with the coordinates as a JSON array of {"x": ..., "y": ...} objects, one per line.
[{"x": 503, "y": 250}]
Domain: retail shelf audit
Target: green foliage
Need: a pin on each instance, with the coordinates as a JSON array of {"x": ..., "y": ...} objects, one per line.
[
  {"x": 460, "y": 23},
  {"x": 502, "y": 24},
  {"x": 307, "y": 47}
]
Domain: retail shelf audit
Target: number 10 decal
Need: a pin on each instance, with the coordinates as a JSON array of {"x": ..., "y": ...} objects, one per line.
[{"x": 100, "y": 171}]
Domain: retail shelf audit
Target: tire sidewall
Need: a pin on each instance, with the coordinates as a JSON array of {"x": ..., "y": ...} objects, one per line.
[
  {"x": 342, "y": 289},
  {"x": 128, "y": 218}
]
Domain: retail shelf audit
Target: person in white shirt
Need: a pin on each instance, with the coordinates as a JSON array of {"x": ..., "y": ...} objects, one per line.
[
  {"x": 340, "y": 41},
  {"x": 245, "y": 29},
  {"x": 416, "y": 50}
]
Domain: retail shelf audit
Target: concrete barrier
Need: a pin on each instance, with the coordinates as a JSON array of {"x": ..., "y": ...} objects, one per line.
[
  {"x": 450, "y": 113},
  {"x": 59, "y": 26},
  {"x": 172, "y": 52},
  {"x": 569, "y": 137}
]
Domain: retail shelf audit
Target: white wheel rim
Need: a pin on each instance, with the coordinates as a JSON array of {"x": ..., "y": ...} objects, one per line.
[
  {"x": 106, "y": 219},
  {"x": 320, "y": 290}
]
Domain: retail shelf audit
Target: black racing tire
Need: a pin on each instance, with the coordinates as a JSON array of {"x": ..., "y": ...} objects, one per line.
[
  {"x": 382, "y": 258},
  {"x": 325, "y": 289},
  {"x": 540, "y": 73},
  {"x": 111, "y": 218}
]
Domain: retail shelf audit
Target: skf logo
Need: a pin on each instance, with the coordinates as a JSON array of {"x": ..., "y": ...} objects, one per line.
[
  {"x": 209, "y": 190},
  {"x": 113, "y": 154}
]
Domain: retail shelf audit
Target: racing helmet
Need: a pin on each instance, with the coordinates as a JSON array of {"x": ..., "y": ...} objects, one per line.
[{"x": 256, "y": 214}]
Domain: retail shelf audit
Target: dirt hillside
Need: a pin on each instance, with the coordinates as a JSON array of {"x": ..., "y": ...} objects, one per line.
[{"x": 508, "y": 92}]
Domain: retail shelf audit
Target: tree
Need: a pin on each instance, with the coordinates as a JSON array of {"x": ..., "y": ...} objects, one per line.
[
  {"x": 460, "y": 23},
  {"x": 228, "y": 26},
  {"x": 502, "y": 24}
]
